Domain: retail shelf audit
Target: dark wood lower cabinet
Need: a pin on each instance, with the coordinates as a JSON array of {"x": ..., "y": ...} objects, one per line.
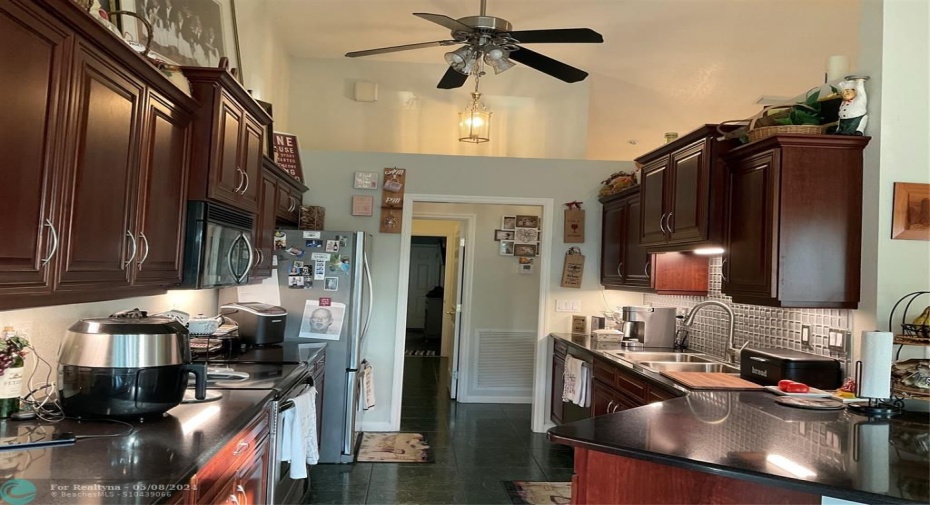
[
  {"x": 605, "y": 478},
  {"x": 237, "y": 473}
]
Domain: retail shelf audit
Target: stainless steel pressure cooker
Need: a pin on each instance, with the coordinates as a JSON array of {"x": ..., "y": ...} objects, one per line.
[{"x": 128, "y": 364}]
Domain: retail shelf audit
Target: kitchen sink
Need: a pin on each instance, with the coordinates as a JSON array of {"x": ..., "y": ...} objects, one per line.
[
  {"x": 677, "y": 357},
  {"x": 671, "y": 366}
]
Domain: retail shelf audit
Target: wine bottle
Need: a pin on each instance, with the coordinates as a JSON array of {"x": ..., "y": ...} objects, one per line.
[{"x": 11, "y": 382}]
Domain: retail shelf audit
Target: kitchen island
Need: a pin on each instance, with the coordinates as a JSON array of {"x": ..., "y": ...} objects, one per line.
[{"x": 742, "y": 447}]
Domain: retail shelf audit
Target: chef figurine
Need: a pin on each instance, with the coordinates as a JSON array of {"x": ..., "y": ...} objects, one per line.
[{"x": 853, "y": 117}]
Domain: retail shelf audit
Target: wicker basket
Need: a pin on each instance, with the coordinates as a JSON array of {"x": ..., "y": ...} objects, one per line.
[{"x": 768, "y": 131}]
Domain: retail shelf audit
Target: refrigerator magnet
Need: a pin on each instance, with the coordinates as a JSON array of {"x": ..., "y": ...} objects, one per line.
[
  {"x": 280, "y": 240},
  {"x": 320, "y": 256},
  {"x": 308, "y": 281},
  {"x": 332, "y": 246},
  {"x": 319, "y": 270},
  {"x": 325, "y": 301},
  {"x": 344, "y": 265},
  {"x": 314, "y": 243},
  {"x": 311, "y": 234},
  {"x": 331, "y": 284},
  {"x": 295, "y": 281},
  {"x": 295, "y": 251},
  {"x": 322, "y": 321}
]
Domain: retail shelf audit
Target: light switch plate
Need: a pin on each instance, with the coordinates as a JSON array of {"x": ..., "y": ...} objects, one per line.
[{"x": 837, "y": 340}]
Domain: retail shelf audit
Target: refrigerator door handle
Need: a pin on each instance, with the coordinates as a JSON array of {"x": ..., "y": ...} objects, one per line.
[{"x": 371, "y": 298}]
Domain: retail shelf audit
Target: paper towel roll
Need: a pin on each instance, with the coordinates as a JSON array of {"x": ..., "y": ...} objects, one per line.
[
  {"x": 876, "y": 349},
  {"x": 837, "y": 67}
]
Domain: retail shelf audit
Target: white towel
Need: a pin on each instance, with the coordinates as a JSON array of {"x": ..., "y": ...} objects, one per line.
[
  {"x": 570, "y": 378},
  {"x": 584, "y": 397},
  {"x": 367, "y": 385},
  {"x": 299, "y": 442}
]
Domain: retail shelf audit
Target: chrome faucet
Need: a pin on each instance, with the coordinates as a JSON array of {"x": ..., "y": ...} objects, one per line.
[{"x": 732, "y": 353}]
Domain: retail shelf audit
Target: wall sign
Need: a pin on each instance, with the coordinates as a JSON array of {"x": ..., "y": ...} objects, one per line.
[
  {"x": 392, "y": 199},
  {"x": 287, "y": 154},
  {"x": 362, "y": 205}
]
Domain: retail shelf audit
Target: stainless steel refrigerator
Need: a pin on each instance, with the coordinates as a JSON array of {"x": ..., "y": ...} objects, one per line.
[{"x": 325, "y": 286}]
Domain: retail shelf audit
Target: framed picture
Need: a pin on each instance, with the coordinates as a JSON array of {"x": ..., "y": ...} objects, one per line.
[
  {"x": 503, "y": 235},
  {"x": 195, "y": 33},
  {"x": 508, "y": 222},
  {"x": 526, "y": 235},
  {"x": 911, "y": 219},
  {"x": 366, "y": 180},
  {"x": 506, "y": 248},
  {"x": 525, "y": 250},
  {"x": 362, "y": 205},
  {"x": 527, "y": 221}
]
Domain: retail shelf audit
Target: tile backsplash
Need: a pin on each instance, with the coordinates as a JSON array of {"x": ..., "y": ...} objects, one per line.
[{"x": 770, "y": 327}]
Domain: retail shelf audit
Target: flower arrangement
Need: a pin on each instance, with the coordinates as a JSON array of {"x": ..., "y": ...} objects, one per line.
[
  {"x": 12, "y": 350},
  {"x": 617, "y": 182}
]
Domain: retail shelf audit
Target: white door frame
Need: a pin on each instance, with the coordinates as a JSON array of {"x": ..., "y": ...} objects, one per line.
[{"x": 541, "y": 368}]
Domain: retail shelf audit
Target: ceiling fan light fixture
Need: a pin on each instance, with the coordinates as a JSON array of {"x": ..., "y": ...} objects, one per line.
[
  {"x": 461, "y": 60},
  {"x": 475, "y": 120},
  {"x": 499, "y": 65}
]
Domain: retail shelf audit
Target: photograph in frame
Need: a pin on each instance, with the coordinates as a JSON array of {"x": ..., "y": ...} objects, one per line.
[
  {"x": 527, "y": 221},
  {"x": 506, "y": 248},
  {"x": 525, "y": 250},
  {"x": 503, "y": 235},
  {"x": 188, "y": 32},
  {"x": 508, "y": 222}
]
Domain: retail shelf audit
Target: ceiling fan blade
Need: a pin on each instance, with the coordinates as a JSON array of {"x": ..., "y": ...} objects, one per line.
[
  {"x": 547, "y": 65},
  {"x": 562, "y": 35},
  {"x": 452, "y": 79},
  {"x": 394, "y": 49},
  {"x": 446, "y": 21}
]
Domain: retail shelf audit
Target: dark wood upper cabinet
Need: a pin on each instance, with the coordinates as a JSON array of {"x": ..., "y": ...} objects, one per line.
[
  {"x": 98, "y": 242},
  {"x": 625, "y": 264},
  {"x": 228, "y": 138},
  {"x": 683, "y": 192},
  {"x": 34, "y": 50},
  {"x": 100, "y": 143},
  {"x": 163, "y": 193},
  {"x": 678, "y": 273},
  {"x": 794, "y": 232},
  {"x": 264, "y": 227}
]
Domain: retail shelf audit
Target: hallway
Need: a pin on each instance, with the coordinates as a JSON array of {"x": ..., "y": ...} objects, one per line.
[{"x": 475, "y": 447}]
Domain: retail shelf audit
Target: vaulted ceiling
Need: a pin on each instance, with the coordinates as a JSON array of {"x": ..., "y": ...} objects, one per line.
[{"x": 704, "y": 60}]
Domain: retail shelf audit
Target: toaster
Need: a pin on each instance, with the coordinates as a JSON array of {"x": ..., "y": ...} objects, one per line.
[{"x": 259, "y": 323}]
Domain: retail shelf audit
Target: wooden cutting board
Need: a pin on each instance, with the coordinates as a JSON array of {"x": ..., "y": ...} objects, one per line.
[{"x": 711, "y": 380}]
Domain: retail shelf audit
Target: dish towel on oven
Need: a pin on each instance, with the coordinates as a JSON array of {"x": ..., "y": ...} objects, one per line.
[
  {"x": 299, "y": 436},
  {"x": 576, "y": 381}
]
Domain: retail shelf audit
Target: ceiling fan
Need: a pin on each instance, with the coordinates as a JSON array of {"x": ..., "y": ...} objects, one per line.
[{"x": 493, "y": 41}]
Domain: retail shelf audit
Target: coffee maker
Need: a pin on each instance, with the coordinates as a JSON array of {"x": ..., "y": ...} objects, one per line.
[{"x": 648, "y": 326}]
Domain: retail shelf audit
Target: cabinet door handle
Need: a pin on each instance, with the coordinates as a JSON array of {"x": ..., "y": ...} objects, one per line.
[
  {"x": 616, "y": 407},
  {"x": 54, "y": 235},
  {"x": 145, "y": 242},
  {"x": 234, "y": 499},
  {"x": 646, "y": 269},
  {"x": 245, "y": 496},
  {"x": 609, "y": 405},
  {"x": 723, "y": 269},
  {"x": 662, "y": 228},
  {"x": 247, "y": 180},
  {"x": 619, "y": 269},
  {"x": 134, "y": 247},
  {"x": 241, "y": 180},
  {"x": 241, "y": 447},
  {"x": 290, "y": 205},
  {"x": 668, "y": 223}
]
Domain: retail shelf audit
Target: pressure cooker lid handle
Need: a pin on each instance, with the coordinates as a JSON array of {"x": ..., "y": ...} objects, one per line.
[{"x": 130, "y": 314}]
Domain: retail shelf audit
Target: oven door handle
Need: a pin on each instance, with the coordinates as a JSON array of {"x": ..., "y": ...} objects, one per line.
[{"x": 288, "y": 403}]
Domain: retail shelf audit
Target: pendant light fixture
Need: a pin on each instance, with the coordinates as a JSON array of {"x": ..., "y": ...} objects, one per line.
[{"x": 475, "y": 120}]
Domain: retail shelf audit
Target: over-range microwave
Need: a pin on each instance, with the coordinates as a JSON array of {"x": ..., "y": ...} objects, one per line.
[{"x": 218, "y": 249}]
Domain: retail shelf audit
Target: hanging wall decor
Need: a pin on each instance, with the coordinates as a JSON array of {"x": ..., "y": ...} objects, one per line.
[
  {"x": 392, "y": 199},
  {"x": 572, "y": 268},
  {"x": 911, "y": 219},
  {"x": 574, "y": 224},
  {"x": 287, "y": 154}
]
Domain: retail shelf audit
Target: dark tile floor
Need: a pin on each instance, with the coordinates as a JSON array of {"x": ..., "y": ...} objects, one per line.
[{"x": 475, "y": 446}]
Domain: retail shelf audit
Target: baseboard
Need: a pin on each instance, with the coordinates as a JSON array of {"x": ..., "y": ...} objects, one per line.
[{"x": 377, "y": 426}]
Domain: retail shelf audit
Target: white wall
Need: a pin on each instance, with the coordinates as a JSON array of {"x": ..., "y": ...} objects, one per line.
[
  {"x": 895, "y": 53},
  {"x": 46, "y": 326},
  {"x": 534, "y": 116},
  {"x": 330, "y": 174},
  {"x": 264, "y": 60}
]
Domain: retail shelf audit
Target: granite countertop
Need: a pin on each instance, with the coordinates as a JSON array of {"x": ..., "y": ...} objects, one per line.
[
  {"x": 161, "y": 454},
  {"x": 746, "y": 435}
]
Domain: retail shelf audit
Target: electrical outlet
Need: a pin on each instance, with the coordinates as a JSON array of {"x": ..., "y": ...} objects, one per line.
[{"x": 806, "y": 336}]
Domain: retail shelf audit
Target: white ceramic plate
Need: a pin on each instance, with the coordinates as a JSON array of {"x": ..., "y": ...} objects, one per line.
[{"x": 814, "y": 393}]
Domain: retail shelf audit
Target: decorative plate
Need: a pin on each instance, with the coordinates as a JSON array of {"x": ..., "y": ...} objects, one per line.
[{"x": 526, "y": 235}]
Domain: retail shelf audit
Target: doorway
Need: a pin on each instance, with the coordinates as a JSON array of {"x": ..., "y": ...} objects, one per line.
[
  {"x": 501, "y": 312},
  {"x": 425, "y": 293}
]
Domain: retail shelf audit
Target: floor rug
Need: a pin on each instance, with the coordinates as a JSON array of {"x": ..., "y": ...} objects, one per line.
[
  {"x": 393, "y": 448},
  {"x": 538, "y": 493}
]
